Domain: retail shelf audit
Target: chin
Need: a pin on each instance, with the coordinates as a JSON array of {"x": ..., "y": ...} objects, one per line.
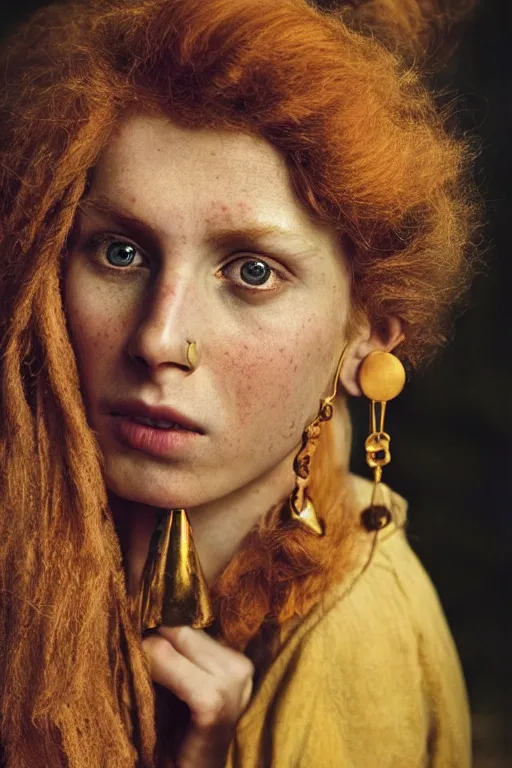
[
  {"x": 166, "y": 488},
  {"x": 147, "y": 493}
]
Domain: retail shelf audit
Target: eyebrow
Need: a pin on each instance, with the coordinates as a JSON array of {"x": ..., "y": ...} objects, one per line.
[{"x": 223, "y": 236}]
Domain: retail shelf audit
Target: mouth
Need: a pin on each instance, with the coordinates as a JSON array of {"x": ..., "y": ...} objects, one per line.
[
  {"x": 156, "y": 437},
  {"x": 161, "y": 424},
  {"x": 160, "y": 417}
]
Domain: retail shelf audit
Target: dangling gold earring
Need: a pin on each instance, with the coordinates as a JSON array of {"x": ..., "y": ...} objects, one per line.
[
  {"x": 382, "y": 378},
  {"x": 173, "y": 590},
  {"x": 300, "y": 507}
]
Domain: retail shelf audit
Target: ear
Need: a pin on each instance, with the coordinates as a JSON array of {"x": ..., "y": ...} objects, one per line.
[{"x": 369, "y": 339}]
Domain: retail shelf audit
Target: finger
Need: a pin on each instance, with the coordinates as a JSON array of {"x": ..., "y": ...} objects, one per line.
[
  {"x": 210, "y": 702},
  {"x": 174, "y": 671},
  {"x": 196, "y": 646},
  {"x": 207, "y": 653}
]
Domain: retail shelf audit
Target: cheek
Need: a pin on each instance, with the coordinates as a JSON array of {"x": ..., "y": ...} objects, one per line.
[
  {"x": 277, "y": 380},
  {"x": 91, "y": 322},
  {"x": 261, "y": 383}
]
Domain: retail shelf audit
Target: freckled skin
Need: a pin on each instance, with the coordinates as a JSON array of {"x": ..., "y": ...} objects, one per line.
[{"x": 264, "y": 362}]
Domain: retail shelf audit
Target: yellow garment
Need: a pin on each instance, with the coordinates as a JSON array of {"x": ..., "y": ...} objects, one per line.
[{"x": 369, "y": 679}]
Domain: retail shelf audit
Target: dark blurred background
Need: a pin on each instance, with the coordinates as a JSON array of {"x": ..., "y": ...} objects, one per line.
[{"x": 451, "y": 428}]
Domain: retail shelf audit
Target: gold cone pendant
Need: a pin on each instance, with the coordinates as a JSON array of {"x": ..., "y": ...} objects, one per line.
[
  {"x": 173, "y": 590},
  {"x": 307, "y": 516}
]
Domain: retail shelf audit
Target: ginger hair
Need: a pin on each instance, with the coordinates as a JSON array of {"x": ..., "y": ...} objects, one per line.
[{"x": 369, "y": 153}]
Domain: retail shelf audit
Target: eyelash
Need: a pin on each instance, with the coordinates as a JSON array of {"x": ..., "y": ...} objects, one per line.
[{"x": 96, "y": 241}]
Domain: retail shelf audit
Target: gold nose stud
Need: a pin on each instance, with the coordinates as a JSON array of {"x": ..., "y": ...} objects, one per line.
[{"x": 192, "y": 354}]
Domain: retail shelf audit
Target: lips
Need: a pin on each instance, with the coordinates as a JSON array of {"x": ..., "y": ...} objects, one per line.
[{"x": 131, "y": 408}]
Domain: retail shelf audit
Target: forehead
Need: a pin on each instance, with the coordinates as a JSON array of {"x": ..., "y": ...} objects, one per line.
[{"x": 200, "y": 174}]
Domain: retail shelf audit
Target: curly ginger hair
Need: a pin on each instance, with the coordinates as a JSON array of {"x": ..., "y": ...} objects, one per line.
[{"x": 368, "y": 152}]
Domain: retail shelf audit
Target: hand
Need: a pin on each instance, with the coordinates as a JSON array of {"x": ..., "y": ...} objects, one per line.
[{"x": 214, "y": 681}]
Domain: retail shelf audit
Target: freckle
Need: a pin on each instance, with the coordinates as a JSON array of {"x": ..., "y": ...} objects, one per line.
[
  {"x": 295, "y": 368},
  {"x": 281, "y": 349},
  {"x": 245, "y": 346}
]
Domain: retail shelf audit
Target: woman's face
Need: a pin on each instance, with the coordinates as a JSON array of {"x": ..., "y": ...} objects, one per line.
[{"x": 267, "y": 312}]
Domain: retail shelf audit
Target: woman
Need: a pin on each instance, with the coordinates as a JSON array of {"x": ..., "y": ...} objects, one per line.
[{"x": 213, "y": 216}]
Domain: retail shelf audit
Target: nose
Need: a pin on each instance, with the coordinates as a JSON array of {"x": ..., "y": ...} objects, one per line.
[{"x": 169, "y": 318}]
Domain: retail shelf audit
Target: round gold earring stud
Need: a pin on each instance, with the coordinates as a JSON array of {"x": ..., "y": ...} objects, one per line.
[{"x": 381, "y": 376}]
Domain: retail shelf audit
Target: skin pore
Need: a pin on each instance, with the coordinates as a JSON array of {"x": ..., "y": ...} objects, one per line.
[{"x": 269, "y": 341}]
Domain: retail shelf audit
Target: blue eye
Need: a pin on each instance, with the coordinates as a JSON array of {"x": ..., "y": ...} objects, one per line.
[
  {"x": 117, "y": 256},
  {"x": 255, "y": 272},
  {"x": 253, "y": 275},
  {"x": 115, "y": 252},
  {"x": 118, "y": 253}
]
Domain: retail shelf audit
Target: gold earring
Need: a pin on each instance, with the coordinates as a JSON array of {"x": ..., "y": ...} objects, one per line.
[
  {"x": 382, "y": 378},
  {"x": 173, "y": 590},
  {"x": 300, "y": 507},
  {"x": 192, "y": 354}
]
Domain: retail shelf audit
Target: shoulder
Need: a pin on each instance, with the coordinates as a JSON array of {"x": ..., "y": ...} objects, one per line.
[
  {"x": 374, "y": 659},
  {"x": 386, "y": 605},
  {"x": 395, "y": 576},
  {"x": 380, "y": 596},
  {"x": 389, "y": 604}
]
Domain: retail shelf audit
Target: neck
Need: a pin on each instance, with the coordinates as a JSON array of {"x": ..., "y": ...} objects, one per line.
[{"x": 219, "y": 526}]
